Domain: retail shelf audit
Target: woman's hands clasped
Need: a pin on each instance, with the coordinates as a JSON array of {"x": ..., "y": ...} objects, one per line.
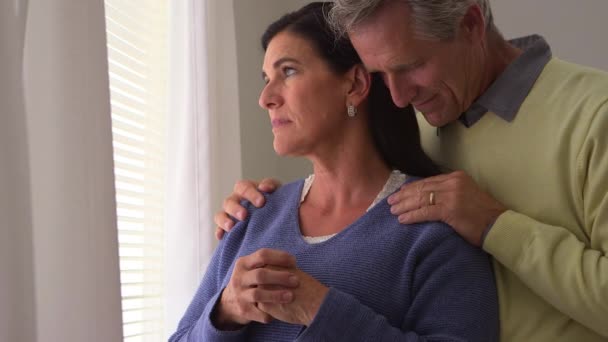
[
  {"x": 267, "y": 285},
  {"x": 307, "y": 299}
]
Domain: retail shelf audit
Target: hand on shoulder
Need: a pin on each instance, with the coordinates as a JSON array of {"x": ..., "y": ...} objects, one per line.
[{"x": 243, "y": 190}]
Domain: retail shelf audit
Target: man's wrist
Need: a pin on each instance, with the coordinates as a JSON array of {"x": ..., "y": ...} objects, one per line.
[{"x": 485, "y": 232}]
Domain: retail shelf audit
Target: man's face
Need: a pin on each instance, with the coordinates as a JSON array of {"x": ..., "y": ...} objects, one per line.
[{"x": 440, "y": 78}]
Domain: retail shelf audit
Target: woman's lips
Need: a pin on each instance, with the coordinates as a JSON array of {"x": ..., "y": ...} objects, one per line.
[{"x": 276, "y": 123}]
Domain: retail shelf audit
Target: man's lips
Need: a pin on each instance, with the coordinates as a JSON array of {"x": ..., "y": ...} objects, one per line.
[{"x": 425, "y": 102}]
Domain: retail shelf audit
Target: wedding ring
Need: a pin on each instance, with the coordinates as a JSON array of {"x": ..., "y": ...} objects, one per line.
[{"x": 432, "y": 198}]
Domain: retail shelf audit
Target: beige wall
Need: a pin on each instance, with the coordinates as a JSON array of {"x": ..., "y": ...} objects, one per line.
[{"x": 574, "y": 29}]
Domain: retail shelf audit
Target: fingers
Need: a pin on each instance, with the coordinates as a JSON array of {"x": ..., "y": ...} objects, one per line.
[
  {"x": 256, "y": 279},
  {"x": 269, "y": 277},
  {"x": 264, "y": 295},
  {"x": 266, "y": 256},
  {"x": 239, "y": 307},
  {"x": 426, "y": 213},
  {"x": 269, "y": 185},
  {"x": 232, "y": 206},
  {"x": 260, "y": 316},
  {"x": 455, "y": 199},
  {"x": 418, "y": 196},
  {"x": 247, "y": 190},
  {"x": 223, "y": 221},
  {"x": 416, "y": 201},
  {"x": 219, "y": 233},
  {"x": 243, "y": 190},
  {"x": 254, "y": 282}
]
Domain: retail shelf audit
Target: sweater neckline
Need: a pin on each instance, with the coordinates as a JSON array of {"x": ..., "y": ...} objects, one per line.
[{"x": 393, "y": 183}]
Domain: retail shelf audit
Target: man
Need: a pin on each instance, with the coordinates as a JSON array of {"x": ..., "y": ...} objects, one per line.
[{"x": 528, "y": 132}]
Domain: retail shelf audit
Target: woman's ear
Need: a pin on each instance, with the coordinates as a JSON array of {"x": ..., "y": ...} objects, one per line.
[{"x": 360, "y": 82}]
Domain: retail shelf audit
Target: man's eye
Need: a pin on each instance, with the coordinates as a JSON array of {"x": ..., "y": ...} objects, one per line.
[{"x": 289, "y": 71}]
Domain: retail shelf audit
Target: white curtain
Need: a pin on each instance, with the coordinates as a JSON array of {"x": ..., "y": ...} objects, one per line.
[
  {"x": 204, "y": 144},
  {"x": 58, "y": 243}
]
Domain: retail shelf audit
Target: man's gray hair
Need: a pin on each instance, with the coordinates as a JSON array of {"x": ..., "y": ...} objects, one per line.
[{"x": 432, "y": 19}]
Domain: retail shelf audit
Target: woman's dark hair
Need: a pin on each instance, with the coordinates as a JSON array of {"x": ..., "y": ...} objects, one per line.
[{"x": 394, "y": 130}]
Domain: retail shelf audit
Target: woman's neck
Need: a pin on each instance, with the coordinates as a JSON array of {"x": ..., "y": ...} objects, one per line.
[{"x": 348, "y": 176}]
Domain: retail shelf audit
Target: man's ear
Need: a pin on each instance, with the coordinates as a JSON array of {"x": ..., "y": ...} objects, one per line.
[
  {"x": 473, "y": 24},
  {"x": 360, "y": 82}
]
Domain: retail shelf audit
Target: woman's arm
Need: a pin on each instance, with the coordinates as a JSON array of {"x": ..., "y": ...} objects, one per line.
[
  {"x": 221, "y": 314},
  {"x": 196, "y": 323}
]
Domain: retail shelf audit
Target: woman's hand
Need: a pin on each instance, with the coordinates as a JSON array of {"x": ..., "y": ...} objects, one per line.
[
  {"x": 266, "y": 276},
  {"x": 243, "y": 190},
  {"x": 307, "y": 299}
]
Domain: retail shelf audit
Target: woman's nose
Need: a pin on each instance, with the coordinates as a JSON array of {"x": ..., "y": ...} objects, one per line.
[{"x": 269, "y": 97}]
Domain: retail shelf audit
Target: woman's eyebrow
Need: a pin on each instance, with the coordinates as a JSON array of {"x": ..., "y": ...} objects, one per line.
[{"x": 280, "y": 61}]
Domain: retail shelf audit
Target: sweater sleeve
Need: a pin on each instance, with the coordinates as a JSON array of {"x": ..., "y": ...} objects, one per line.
[
  {"x": 196, "y": 323},
  {"x": 454, "y": 299},
  {"x": 569, "y": 273}
]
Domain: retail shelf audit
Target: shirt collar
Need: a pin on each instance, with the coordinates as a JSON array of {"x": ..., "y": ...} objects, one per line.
[{"x": 506, "y": 94}]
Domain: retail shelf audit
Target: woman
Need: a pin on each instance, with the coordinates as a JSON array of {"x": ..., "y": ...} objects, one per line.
[{"x": 324, "y": 260}]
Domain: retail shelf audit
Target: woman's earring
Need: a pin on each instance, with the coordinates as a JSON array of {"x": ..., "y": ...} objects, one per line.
[{"x": 351, "y": 110}]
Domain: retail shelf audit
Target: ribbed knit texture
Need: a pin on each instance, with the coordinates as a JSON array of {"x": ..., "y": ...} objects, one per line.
[{"x": 388, "y": 282}]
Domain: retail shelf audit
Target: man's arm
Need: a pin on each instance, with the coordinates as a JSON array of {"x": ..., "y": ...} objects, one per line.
[{"x": 570, "y": 274}]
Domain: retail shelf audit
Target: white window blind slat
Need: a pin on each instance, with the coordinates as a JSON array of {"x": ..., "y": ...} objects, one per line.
[
  {"x": 130, "y": 103},
  {"x": 132, "y": 69},
  {"x": 136, "y": 34},
  {"x": 129, "y": 33}
]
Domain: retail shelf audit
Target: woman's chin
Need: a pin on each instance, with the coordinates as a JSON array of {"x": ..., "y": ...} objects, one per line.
[
  {"x": 281, "y": 151},
  {"x": 285, "y": 151}
]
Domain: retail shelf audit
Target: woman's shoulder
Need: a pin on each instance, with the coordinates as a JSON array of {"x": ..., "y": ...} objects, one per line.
[
  {"x": 286, "y": 194},
  {"x": 284, "y": 200},
  {"x": 429, "y": 230}
]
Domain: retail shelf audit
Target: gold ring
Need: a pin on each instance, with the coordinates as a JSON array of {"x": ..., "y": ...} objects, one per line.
[{"x": 432, "y": 198}]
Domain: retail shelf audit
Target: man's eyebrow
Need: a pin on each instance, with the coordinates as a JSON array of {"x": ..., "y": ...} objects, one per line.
[
  {"x": 394, "y": 68},
  {"x": 404, "y": 66},
  {"x": 280, "y": 61}
]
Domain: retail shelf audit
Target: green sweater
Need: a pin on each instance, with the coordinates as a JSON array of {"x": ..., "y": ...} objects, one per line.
[{"x": 549, "y": 166}]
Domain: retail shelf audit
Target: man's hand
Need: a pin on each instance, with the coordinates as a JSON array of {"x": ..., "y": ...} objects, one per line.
[
  {"x": 243, "y": 190},
  {"x": 452, "y": 198},
  {"x": 266, "y": 276},
  {"x": 307, "y": 299}
]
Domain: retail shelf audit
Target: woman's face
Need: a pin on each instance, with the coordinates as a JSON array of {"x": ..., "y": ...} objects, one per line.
[{"x": 305, "y": 99}]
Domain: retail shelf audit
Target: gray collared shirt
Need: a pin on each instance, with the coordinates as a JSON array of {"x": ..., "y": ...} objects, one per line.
[{"x": 507, "y": 93}]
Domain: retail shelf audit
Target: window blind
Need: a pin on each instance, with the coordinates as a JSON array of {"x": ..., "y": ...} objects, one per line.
[{"x": 137, "y": 58}]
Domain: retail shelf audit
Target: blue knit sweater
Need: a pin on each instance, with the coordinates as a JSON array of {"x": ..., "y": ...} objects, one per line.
[{"x": 388, "y": 282}]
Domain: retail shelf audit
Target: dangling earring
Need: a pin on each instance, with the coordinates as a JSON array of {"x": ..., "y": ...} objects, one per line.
[{"x": 351, "y": 110}]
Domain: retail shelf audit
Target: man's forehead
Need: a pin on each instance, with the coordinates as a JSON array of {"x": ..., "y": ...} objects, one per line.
[
  {"x": 388, "y": 25},
  {"x": 386, "y": 16}
]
